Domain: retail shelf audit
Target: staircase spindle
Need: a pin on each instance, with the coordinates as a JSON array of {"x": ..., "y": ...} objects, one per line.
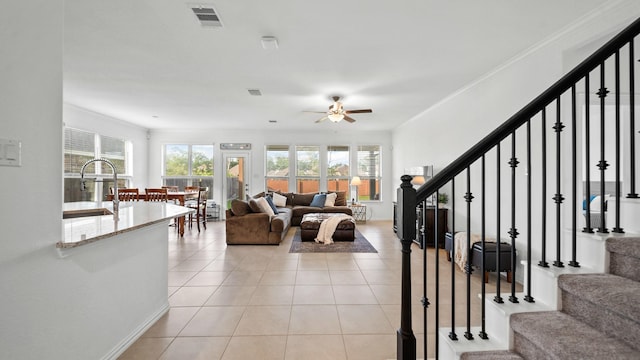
[
  {"x": 617, "y": 228},
  {"x": 632, "y": 124},
  {"x": 558, "y": 198},
  {"x": 452, "y": 333},
  {"x": 602, "y": 164},
  {"x": 527, "y": 297},
  {"x": 543, "y": 235},
  {"x": 469, "y": 197},
  {"x": 483, "y": 290},
  {"x": 587, "y": 157},
  {"x": 497, "y": 298},
  {"x": 574, "y": 181},
  {"x": 513, "y": 232},
  {"x": 425, "y": 302}
]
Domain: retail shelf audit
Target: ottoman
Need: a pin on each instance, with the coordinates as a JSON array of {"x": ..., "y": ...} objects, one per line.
[
  {"x": 310, "y": 225},
  {"x": 491, "y": 259}
]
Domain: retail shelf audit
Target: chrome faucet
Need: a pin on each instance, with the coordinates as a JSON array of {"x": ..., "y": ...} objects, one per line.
[{"x": 83, "y": 187}]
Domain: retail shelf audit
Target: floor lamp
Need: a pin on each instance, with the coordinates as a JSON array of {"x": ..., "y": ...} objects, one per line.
[{"x": 355, "y": 181}]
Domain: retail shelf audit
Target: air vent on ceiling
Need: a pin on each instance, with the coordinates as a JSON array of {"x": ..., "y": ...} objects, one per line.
[
  {"x": 254, "y": 92},
  {"x": 206, "y": 15}
]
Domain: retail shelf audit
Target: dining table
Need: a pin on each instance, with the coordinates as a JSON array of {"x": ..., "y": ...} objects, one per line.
[{"x": 180, "y": 196}]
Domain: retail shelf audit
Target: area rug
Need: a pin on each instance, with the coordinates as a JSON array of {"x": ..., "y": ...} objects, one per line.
[{"x": 359, "y": 245}]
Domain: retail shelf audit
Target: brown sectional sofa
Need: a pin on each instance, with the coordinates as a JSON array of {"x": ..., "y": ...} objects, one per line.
[{"x": 245, "y": 226}]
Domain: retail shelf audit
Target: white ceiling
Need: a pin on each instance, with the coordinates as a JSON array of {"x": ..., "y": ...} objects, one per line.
[{"x": 149, "y": 62}]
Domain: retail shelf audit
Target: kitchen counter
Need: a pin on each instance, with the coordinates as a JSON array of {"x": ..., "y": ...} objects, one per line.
[{"x": 132, "y": 216}]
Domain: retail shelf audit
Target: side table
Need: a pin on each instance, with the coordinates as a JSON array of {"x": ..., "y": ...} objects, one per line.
[{"x": 359, "y": 212}]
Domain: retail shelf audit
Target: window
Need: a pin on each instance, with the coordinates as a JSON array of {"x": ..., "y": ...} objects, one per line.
[
  {"x": 277, "y": 168},
  {"x": 369, "y": 172},
  {"x": 338, "y": 168},
  {"x": 307, "y": 169},
  {"x": 188, "y": 165},
  {"x": 81, "y": 146}
]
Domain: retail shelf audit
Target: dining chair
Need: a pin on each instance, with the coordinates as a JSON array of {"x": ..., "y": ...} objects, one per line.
[
  {"x": 191, "y": 188},
  {"x": 171, "y": 188},
  {"x": 128, "y": 194},
  {"x": 200, "y": 206},
  {"x": 155, "y": 194}
]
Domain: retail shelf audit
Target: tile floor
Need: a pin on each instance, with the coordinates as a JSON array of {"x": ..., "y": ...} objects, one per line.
[{"x": 261, "y": 302}]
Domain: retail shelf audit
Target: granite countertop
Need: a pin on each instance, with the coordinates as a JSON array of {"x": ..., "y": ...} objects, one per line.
[{"x": 132, "y": 216}]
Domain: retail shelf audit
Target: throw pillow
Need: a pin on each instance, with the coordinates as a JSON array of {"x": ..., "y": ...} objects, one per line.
[
  {"x": 331, "y": 199},
  {"x": 253, "y": 204},
  {"x": 264, "y": 206},
  {"x": 279, "y": 200},
  {"x": 239, "y": 207},
  {"x": 303, "y": 199},
  {"x": 318, "y": 200},
  {"x": 271, "y": 204},
  {"x": 341, "y": 199}
]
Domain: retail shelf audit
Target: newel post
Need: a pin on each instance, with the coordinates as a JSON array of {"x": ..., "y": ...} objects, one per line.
[{"x": 406, "y": 221}]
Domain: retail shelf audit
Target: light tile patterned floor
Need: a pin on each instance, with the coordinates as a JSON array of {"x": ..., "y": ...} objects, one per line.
[{"x": 261, "y": 302}]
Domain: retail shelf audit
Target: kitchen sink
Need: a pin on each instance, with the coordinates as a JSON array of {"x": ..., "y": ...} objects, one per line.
[{"x": 71, "y": 214}]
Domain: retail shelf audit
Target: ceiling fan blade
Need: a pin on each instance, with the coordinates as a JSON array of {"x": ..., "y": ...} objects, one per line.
[
  {"x": 349, "y": 119},
  {"x": 315, "y": 112},
  {"x": 361, "y": 111},
  {"x": 322, "y": 119}
]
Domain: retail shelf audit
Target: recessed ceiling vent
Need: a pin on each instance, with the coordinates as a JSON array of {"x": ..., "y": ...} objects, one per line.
[
  {"x": 254, "y": 92},
  {"x": 207, "y": 16}
]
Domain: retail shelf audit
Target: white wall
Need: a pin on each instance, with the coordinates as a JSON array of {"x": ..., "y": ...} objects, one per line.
[
  {"x": 448, "y": 129},
  {"x": 83, "y": 119},
  {"x": 50, "y": 307},
  {"x": 259, "y": 139}
]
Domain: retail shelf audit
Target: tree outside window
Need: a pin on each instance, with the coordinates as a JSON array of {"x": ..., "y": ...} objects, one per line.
[
  {"x": 277, "y": 168},
  {"x": 307, "y": 169},
  {"x": 369, "y": 163}
]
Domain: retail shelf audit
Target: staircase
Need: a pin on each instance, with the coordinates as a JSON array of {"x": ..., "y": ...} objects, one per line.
[
  {"x": 600, "y": 316},
  {"x": 523, "y": 184}
]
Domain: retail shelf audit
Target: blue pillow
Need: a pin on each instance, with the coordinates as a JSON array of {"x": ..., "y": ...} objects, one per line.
[
  {"x": 270, "y": 202},
  {"x": 318, "y": 200}
]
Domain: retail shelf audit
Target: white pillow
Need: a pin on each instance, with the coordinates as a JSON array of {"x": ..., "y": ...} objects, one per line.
[
  {"x": 595, "y": 203},
  {"x": 331, "y": 199},
  {"x": 264, "y": 206},
  {"x": 279, "y": 200}
]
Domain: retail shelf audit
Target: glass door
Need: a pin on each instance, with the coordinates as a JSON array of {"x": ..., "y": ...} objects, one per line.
[{"x": 236, "y": 186}]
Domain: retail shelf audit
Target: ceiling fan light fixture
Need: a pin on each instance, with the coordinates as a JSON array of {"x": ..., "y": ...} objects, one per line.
[{"x": 335, "y": 117}]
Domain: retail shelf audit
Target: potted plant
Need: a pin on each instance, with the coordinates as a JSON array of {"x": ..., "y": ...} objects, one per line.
[{"x": 443, "y": 198}]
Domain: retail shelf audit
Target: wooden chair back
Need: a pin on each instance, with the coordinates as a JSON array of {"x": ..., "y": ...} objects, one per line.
[
  {"x": 156, "y": 194},
  {"x": 128, "y": 194},
  {"x": 171, "y": 188},
  {"x": 191, "y": 188}
]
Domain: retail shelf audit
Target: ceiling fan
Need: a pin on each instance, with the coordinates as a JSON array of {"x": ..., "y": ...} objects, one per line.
[{"x": 338, "y": 113}]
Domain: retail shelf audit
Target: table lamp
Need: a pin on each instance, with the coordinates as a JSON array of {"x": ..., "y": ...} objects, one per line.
[{"x": 355, "y": 181}]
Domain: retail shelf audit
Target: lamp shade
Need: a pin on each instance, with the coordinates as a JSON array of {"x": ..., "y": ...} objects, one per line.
[
  {"x": 418, "y": 180},
  {"x": 355, "y": 181}
]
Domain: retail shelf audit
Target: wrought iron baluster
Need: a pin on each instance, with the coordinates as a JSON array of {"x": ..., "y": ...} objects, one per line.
[
  {"x": 574, "y": 181},
  {"x": 617, "y": 228},
  {"x": 452, "y": 333},
  {"x": 527, "y": 296},
  {"x": 587, "y": 157},
  {"x": 543, "y": 235},
  {"x": 425, "y": 302},
  {"x": 497, "y": 298},
  {"x": 558, "y": 198},
  {"x": 483, "y": 332},
  {"x": 602, "y": 164},
  {"x": 632, "y": 123},
  {"x": 468, "y": 197},
  {"x": 513, "y": 232}
]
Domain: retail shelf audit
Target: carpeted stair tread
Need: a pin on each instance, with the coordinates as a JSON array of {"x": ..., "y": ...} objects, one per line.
[
  {"x": 560, "y": 336},
  {"x": 490, "y": 355},
  {"x": 626, "y": 246},
  {"x": 614, "y": 294}
]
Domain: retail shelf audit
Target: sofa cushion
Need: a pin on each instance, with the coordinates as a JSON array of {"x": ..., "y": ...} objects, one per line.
[
  {"x": 279, "y": 200},
  {"x": 341, "y": 198},
  {"x": 331, "y": 199},
  {"x": 253, "y": 204},
  {"x": 318, "y": 200},
  {"x": 240, "y": 207},
  {"x": 264, "y": 206},
  {"x": 303, "y": 199},
  {"x": 271, "y": 204}
]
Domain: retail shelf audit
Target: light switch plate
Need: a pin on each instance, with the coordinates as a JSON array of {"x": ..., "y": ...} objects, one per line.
[{"x": 10, "y": 152}]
